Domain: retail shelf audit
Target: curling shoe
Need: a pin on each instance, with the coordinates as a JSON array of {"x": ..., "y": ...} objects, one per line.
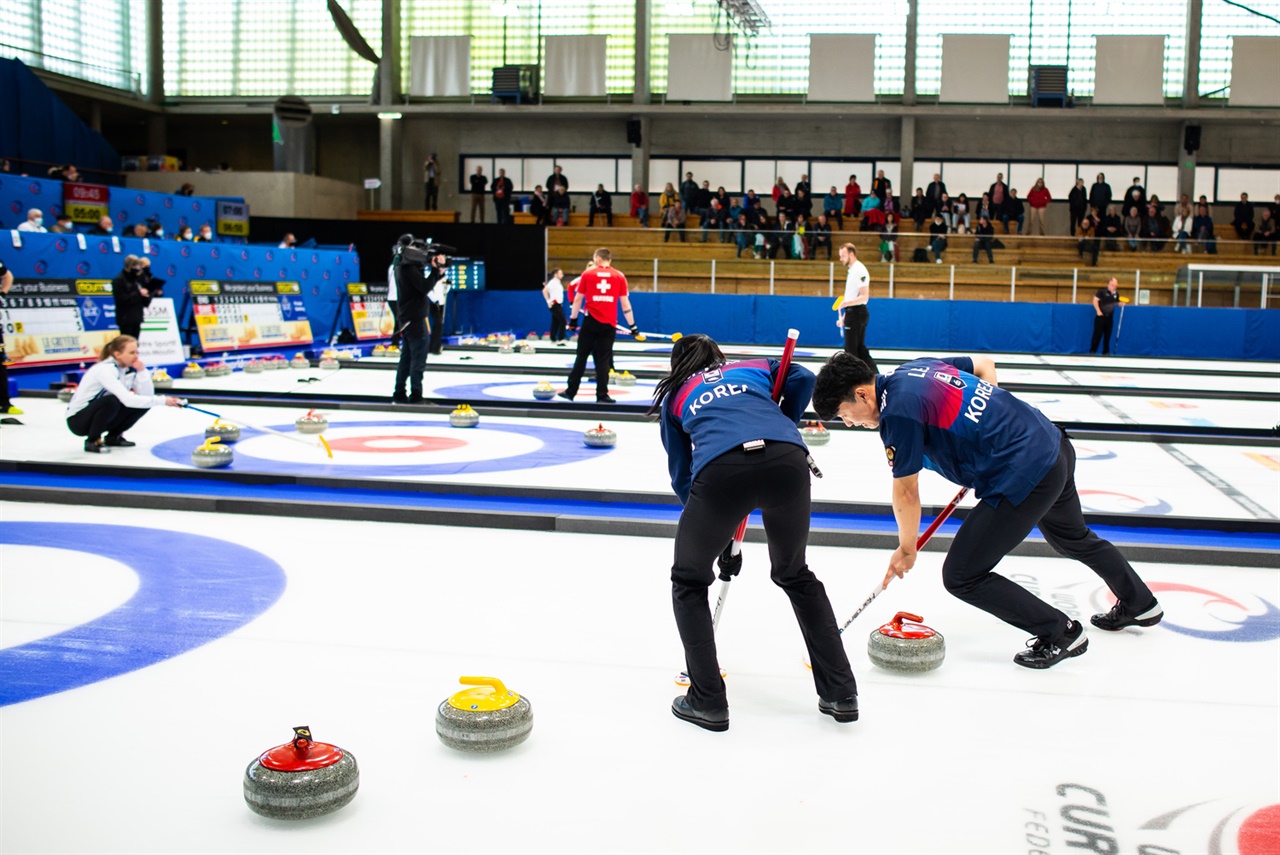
[
  {"x": 116, "y": 440},
  {"x": 1042, "y": 653},
  {"x": 95, "y": 446},
  {"x": 716, "y": 720},
  {"x": 843, "y": 710},
  {"x": 1119, "y": 617}
]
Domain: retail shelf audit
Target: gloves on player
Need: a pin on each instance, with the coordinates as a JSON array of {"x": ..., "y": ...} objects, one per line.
[
  {"x": 730, "y": 564},
  {"x": 635, "y": 330},
  {"x": 573, "y": 324}
]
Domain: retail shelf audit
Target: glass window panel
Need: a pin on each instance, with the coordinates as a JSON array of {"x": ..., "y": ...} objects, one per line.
[
  {"x": 1261, "y": 184},
  {"x": 826, "y": 173},
  {"x": 1022, "y": 177},
  {"x": 721, "y": 173},
  {"x": 536, "y": 170},
  {"x": 924, "y": 171},
  {"x": 515, "y": 171},
  {"x": 1119, "y": 176},
  {"x": 661, "y": 171},
  {"x": 789, "y": 171},
  {"x": 1059, "y": 178},
  {"x": 1162, "y": 181},
  {"x": 1206, "y": 179},
  {"x": 1218, "y": 23},
  {"x": 892, "y": 171},
  {"x": 625, "y": 184},
  {"x": 758, "y": 175},
  {"x": 972, "y": 179},
  {"x": 469, "y": 165},
  {"x": 586, "y": 172}
]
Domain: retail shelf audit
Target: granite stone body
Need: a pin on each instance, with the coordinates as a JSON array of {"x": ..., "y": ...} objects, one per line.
[
  {"x": 312, "y": 422},
  {"x": 600, "y": 437},
  {"x": 301, "y": 795},
  {"x": 464, "y": 417},
  {"x": 906, "y": 647},
  {"x": 484, "y": 730},
  {"x": 815, "y": 433},
  {"x": 223, "y": 431},
  {"x": 626, "y": 378},
  {"x": 212, "y": 456},
  {"x": 193, "y": 372}
]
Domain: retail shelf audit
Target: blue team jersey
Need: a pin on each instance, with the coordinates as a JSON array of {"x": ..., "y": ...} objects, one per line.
[
  {"x": 722, "y": 408},
  {"x": 935, "y": 414}
]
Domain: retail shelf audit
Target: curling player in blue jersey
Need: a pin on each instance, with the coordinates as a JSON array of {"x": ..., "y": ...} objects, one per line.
[
  {"x": 732, "y": 450},
  {"x": 949, "y": 415}
]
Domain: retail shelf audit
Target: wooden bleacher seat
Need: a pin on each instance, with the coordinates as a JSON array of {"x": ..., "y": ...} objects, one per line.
[{"x": 410, "y": 216}]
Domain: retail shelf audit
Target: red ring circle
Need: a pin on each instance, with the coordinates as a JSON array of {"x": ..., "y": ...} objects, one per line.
[{"x": 420, "y": 444}]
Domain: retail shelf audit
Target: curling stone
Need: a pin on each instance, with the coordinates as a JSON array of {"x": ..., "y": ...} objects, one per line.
[
  {"x": 546, "y": 336},
  {"x": 275, "y": 362},
  {"x": 213, "y": 454},
  {"x": 600, "y": 437},
  {"x": 380, "y": 350},
  {"x": 228, "y": 433},
  {"x": 193, "y": 371},
  {"x": 217, "y": 369},
  {"x": 464, "y": 417},
  {"x": 312, "y": 422},
  {"x": 489, "y": 717},
  {"x": 815, "y": 433},
  {"x": 626, "y": 378},
  {"x": 66, "y": 392},
  {"x": 330, "y": 363},
  {"x": 347, "y": 356},
  {"x": 533, "y": 336},
  {"x": 528, "y": 347},
  {"x": 254, "y": 366},
  {"x": 505, "y": 346},
  {"x": 911, "y": 648},
  {"x": 160, "y": 379},
  {"x": 393, "y": 350},
  {"x": 544, "y": 391},
  {"x": 301, "y": 779},
  {"x": 299, "y": 361}
]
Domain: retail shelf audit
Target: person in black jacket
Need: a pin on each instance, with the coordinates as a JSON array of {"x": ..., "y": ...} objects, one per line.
[
  {"x": 985, "y": 234},
  {"x": 130, "y": 296},
  {"x": 1242, "y": 218},
  {"x": 1078, "y": 204},
  {"x": 1100, "y": 195},
  {"x": 421, "y": 267},
  {"x": 502, "y": 190},
  {"x": 602, "y": 204}
]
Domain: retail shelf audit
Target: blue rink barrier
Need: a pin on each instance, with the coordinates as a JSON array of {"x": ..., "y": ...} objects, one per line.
[
  {"x": 322, "y": 274},
  {"x": 959, "y": 325}
]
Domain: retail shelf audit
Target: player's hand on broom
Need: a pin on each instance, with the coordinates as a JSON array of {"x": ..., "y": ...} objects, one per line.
[
  {"x": 573, "y": 323},
  {"x": 899, "y": 564},
  {"x": 730, "y": 564}
]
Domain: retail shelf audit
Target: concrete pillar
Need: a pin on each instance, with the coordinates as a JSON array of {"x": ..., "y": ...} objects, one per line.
[
  {"x": 906, "y": 175},
  {"x": 909, "y": 81},
  {"x": 389, "y": 169},
  {"x": 642, "y": 94},
  {"x": 1186, "y": 168},
  {"x": 640, "y": 154},
  {"x": 155, "y": 52},
  {"x": 157, "y": 135},
  {"x": 1191, "y": 60}
]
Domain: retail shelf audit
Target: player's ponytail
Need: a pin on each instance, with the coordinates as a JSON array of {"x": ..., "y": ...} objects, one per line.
[{"x": 690, "y": 355}]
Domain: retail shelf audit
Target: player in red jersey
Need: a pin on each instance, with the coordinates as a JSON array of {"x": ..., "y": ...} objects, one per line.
[{"x": 600, "y": 291}]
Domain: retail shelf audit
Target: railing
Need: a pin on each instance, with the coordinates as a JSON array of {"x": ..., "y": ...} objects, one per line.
[{"x": 129, "y": 81}]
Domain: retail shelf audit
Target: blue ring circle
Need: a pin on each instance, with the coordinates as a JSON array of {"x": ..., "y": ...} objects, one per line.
[
  {"x": 192, "y": 590},
  {"x": 478, "y": 391},
  {"x": 559, "y": 446}
]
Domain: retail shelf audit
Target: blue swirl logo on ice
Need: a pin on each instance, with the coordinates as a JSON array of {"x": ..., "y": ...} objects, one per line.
[
  {"x": 1219, "y": 617},
  {"x": 1108, "y": 502}
]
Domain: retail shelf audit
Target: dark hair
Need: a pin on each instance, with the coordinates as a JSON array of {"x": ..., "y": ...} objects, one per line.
[
  {"x": 836, "y": 381},
  {"x": 690, "y": 355}
]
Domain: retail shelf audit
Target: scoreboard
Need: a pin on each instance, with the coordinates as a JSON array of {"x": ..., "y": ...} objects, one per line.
[
  {"x": 235, "y": 315},
  {"x": 48, "y": 321},
  {"x": 467, "y": 274},
  {"x": 370, "y": 315}
]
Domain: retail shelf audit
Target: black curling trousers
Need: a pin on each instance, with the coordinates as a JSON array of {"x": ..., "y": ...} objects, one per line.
[
  {"x": 104, "y": 414},
  {"x": 596, "y": 341},
  {"x": 989, "y": 533},
  {"x": 855, "y": 334},
  {"x": 774, "y": 480}
]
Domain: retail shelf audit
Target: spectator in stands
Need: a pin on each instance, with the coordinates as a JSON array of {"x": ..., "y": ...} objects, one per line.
[
  {"x": 63, "y": 225},
  {"x": 786, "y": 230},
  {"x": 1153, "y": 198},
  {"x": 984, "y": 236},
  {"x": 997, "y": 195},
  {"x": 70, "y": 173},
  {"x": 5, "y": 165},
  {"x": 1089, "y": 241},
  {"x": 560, "y": 207},
  {"x": 1111, "y": 228},
  {"x": 986, "y": 208},
  {"x": 786, "y": 204},
  {"x": 430, "y": 183},
  {"x": 1265, "y": 233},
  {"x": 778, "y": 187},
  {"x": 1132, "y": 228},
  {"x": 820, "y": 235},
  {"x": 873, "y": 220},
  {"x": 1155, "y": 228},
  {"x": 1202, "y": 229},
  {"x": 1275, "y": 209},
  {"x": 717, "y": 219},
  {"x": 666, "y": 200},
  {"x": 1077, "y": 205},
  {"x": 184, "y": 233},
  {"x": 1038, "y": 200},
  {"x": 960, "y": 215},
  {"x": 640, "y": 206},
  {"x": 139, "y": 230},
  {"x": 478, "y": 185},
  {"x": 557, "y": 179},
  {"x": 205, "y": 235},
  {"x": 288, "y": 241},
  {"x": 34, "y": 222},
  {"x": 944, "y": 208},
  {"x": 675, "y": 218},
  {"x": 688, "y": 193},
  {"x": 104, "y": 227},
  {"x": 803, "y": 184},
  {"x": 800, "y": 238},
  {"x": 702, "y": 201},
  {"x": 743, "y": 234},
  {"x": 852, "y": 197},
  {"x": 882, "y": 187},
  {"x": 870, "y": 202},
  {"x": 540, "y": 207},
  {"x": 1013, "y": 210},
  {"x": 155, "y": 230},
  {"x": 938, "y": 238},
  {"x": 833, "y": 207},
  {"x": 1181, "y": 228},
  {"x": 1100, "y": 195},
  {"x": 503, "y": 190},
  {"x": 187, "y": 189},
  {"x": 601, "y": 204},
  {"x": 920, "y": 209},
  {"x": 1135, "y": 196},
  {"x": 751, "y": 207},
  {"x": 1242, "y": 218},
  {"x": 935, "y": 191}
]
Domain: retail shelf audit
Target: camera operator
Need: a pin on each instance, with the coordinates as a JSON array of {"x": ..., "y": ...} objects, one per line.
[
  {"x": 393, "y": 287},
  {"x": 421, "y": 267},
  {"x": 131, "y": 296}
]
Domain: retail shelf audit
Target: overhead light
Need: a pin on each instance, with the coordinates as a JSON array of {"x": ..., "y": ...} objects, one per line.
[
  {"x": 390, "y": 115},
  {"x": 746, "y": 15}
]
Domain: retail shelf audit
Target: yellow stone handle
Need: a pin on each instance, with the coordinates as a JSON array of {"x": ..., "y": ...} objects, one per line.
[
  {"x": 499, "y": 688},
  {"x": 208, "y": 443}
]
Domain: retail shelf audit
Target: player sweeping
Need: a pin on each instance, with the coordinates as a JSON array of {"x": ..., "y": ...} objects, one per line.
[
  {"x": 732, "y": 450},
  {"x": 950, "y": 416}
]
